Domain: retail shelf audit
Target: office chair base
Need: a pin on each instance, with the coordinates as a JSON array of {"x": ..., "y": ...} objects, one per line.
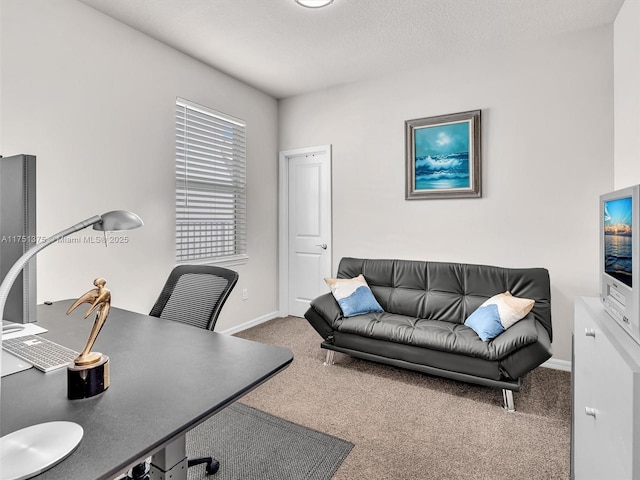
[{"x": 212, "y": 464}]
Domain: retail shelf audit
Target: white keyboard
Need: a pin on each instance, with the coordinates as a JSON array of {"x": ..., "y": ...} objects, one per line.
[{"x": 44, "y": 354}]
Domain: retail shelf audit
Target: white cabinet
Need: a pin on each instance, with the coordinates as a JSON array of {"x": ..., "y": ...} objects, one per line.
[{"x": 606, "y": 402}]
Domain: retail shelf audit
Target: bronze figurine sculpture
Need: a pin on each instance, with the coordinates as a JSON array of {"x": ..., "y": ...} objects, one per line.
[{"x": 100, "y": 300}]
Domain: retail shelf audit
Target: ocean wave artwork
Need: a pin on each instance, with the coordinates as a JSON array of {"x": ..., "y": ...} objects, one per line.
[
  {"x": 443, "y": 171},
  {"x": 442, "y": 157}
]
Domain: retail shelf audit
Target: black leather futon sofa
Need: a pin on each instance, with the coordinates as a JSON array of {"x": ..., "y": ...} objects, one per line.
[{"x": 422, "y": 326}]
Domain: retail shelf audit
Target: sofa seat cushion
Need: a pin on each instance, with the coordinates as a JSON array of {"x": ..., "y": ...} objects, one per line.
[{"x": 441, "y": 335}]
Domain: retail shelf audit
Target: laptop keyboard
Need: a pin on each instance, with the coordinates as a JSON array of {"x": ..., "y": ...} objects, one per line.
[{"x": 44, "y": 354}]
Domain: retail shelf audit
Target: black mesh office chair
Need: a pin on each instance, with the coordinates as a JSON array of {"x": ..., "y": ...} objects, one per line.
[{"x": 193, "y": 294}]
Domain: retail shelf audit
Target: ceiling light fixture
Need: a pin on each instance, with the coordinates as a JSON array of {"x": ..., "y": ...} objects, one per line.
[{"x": 314, "y": 3}]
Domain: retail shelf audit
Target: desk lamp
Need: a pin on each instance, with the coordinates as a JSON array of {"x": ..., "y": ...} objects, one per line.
[{"x": 34, "y": 449}]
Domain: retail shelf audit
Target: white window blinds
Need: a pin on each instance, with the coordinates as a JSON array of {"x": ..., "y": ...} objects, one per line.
[{"x": 211, "y": 209}]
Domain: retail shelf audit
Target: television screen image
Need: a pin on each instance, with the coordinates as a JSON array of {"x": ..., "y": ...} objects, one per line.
[{"x": 618, "y": 236}]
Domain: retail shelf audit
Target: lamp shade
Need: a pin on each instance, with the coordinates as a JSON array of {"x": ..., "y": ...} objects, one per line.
[
  {"x": 118, "y": 220},
  {"x": 314, "y": 3}
]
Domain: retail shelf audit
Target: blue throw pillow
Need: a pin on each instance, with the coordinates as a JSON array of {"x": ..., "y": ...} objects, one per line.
[
  {"x": 353, "y": 295},
  {"x": 485, "y": 321},
  {"x": 508, "y": 310}
]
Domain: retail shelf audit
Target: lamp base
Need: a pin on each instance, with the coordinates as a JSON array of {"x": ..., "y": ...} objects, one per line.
[
  {"x": 30, "y": 451},
  {"x": 84, "y": 381}
]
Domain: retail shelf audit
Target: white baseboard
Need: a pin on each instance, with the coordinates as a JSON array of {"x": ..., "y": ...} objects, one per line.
[
  {"x": 250, "y": 323},
  {"x": 556, "y": 364}
]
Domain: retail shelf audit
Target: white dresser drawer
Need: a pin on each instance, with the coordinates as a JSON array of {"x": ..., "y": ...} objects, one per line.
[{"x": 606, "y": 383}]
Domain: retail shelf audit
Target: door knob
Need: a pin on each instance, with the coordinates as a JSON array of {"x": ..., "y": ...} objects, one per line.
[
  {"x": 322, "y": 246},
  {"x": 590, "y": 332},
  {"x": 590, "y": 411}
]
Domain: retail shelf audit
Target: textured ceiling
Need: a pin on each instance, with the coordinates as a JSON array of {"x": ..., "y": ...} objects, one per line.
[{"x": 284, "y": 49}]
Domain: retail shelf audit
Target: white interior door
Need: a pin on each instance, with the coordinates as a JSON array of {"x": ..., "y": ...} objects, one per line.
[{"x": 308, "y": 226}]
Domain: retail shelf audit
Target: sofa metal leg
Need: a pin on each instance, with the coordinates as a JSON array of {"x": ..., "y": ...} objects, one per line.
[
  {"x": 507, "y": 397},
  {"x": 330, "y": 360}
]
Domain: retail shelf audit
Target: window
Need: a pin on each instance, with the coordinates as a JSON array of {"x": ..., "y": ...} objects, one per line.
[{"x": 211, "y": 207}]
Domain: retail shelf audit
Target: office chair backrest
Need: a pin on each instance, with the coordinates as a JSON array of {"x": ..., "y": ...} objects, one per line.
[{"x": 195, "y": 294}]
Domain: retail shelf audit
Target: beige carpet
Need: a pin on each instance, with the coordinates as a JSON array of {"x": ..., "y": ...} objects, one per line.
[{"x": 407, "y": 425}]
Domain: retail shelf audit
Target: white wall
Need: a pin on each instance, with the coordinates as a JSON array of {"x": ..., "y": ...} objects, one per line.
[
  {"x": 547, "y": 120},
  {"x": 627, "y": 94},
  {"x": 95, "y": 101}
]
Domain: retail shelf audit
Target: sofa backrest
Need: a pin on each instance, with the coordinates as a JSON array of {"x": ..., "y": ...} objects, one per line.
[{"x": 448, "y": 291}]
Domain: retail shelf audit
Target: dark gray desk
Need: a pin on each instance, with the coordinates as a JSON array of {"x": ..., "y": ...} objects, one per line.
[{"x": 166, "y": 378}]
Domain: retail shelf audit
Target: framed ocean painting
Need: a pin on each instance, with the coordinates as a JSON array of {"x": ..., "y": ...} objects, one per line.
[{"x": 443, "y": 156}]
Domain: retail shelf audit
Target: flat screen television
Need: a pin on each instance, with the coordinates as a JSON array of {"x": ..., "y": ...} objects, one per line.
[{"x": 620, "y": 257}]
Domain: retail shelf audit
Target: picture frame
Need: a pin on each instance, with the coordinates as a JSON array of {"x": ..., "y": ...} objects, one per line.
[{"x": 443, "y": 156}]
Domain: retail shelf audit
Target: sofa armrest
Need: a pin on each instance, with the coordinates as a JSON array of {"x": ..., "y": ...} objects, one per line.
[
  {"x": 519, "y": 335},
  {"x": 530, "y": 356},
  {"x": 324, "y": 315},
  {"x": 327, "y": 307}
]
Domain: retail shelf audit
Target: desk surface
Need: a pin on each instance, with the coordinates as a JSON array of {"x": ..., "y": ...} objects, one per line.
[{"x": 166, "y": 378}]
